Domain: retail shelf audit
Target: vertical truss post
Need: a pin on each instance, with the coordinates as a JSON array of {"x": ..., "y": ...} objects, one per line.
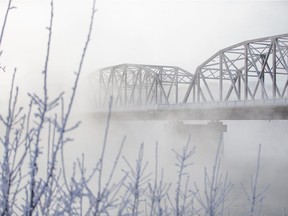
[
  {"x": 146, "y": 86},
  {"x": 198, "y": 85},
  {"x": 239, "y": 84},
  {"x": 134, "y": 87},
  {"x": 262, "y": 75},
  {"x": 140, "y": 86},
  {"x": 160, "y": 83},
  {"x": 107, "y": 88},
  {"x": 232, "y": 79},
  {"x": 194, "y": 94},
  {"x": 274, "y": 58},
  {"x": 246, "y": 71},
  {"x": 125, "y": 84},
  {"x": 156, "y": 88},
  {"x": 176, "y": 85},
  {"x": 221, "y": 78}
]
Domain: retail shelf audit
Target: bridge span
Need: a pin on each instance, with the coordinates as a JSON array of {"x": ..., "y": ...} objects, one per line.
[
  {"x": 248, "y": 80},
  {"x": 273, "y": 109}
]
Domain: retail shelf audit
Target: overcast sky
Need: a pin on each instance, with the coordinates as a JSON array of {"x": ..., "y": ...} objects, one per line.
[
  {"x": 176, "y": 32},
  {"x": 180, "y": 33}
]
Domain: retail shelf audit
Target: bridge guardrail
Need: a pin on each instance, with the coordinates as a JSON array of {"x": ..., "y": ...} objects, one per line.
[{"x": 201, "y": 105}]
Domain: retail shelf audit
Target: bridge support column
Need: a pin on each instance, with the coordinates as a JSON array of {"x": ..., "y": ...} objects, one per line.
[{"x": 205, "y": 137}]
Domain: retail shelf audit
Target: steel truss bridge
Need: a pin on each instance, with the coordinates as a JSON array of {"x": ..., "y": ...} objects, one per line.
[{"x": 248, "y": 80}]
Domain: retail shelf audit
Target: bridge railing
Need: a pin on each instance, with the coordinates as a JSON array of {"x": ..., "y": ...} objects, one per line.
[{"x": 200, "y": 105}]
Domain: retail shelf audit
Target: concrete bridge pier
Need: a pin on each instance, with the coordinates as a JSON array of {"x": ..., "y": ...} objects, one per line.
[{"x": 204, "y": 136}]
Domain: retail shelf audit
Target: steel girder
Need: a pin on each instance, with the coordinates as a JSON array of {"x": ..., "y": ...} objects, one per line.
[
  {"x": 255, "y": 69},
  {"x": 134, "y": 84}
]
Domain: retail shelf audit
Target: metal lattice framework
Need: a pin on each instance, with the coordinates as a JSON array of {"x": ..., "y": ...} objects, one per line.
[
  {"x": 255, "y": 69},
  {"x": 246, "y": 71},
  {"x": 132, "y": 84}
]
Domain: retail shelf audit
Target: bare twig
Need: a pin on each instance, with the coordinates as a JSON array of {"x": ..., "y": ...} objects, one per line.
[
  {"x": 65, "y": 116},
  {"x": 254, "y": 197},
  {"x": 9, "y": 8},
  {"x": 216, "y": 189},
  {"x": 33, "y": 202}
]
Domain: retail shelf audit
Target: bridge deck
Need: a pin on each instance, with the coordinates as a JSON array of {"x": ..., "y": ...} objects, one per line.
[{"x": 270, "y": 109}]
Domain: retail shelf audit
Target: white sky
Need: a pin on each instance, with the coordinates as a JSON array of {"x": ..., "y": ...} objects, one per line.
[
  {"x": 181, "y": 33},
  {"x": 175, "y": 32}
]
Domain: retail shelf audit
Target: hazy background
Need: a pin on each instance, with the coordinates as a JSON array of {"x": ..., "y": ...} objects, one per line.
[
  {"x": 176, "y": 32},
  {"x": 180, "y": 33}
]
